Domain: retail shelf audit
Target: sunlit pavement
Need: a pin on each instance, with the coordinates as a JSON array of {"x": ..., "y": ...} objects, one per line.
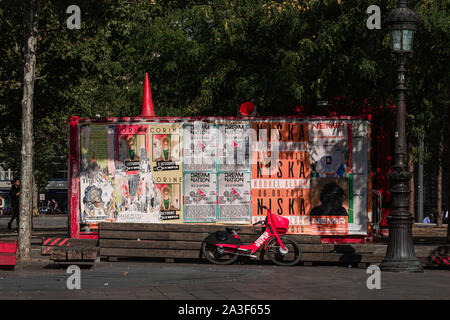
[{"x": 153, "y": 280}]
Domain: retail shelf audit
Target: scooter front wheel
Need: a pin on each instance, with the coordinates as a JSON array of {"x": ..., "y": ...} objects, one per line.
[
  {"x": 216, "y": 255},
  {"x": 277, "y": 255}
]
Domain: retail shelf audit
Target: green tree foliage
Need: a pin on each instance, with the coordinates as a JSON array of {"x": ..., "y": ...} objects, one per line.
[{"x": 205, "y": 57}]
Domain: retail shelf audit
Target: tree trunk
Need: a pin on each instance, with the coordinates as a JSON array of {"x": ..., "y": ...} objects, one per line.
[
  {"x": 439, "y": 180},
  {"x": 411, "y": 181},
  {"x": 26, "y": 171},
  {"x": 448, "y": 173}
]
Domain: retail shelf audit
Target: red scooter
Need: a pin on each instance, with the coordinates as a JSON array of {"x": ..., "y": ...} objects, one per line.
[{"x": 224, "y": 247}]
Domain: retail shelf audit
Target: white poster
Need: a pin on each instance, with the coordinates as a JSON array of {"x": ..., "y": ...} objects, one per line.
[
  {"x": 234, "y": 146},
  {"x": 200, "y": 196},
  {"x": 234, "y": 196},
  {"x": 199, "y": 146}
]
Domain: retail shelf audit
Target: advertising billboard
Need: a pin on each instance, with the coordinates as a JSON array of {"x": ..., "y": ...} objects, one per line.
[{"x": 315, "y": 172}]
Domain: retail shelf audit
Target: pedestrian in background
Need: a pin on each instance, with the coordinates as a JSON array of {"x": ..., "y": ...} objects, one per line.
[
  {"x": 429, "y": 218},
  {"x": 2, "y": 205},
  {"x": 445, "y": 216},
  {"x": 14, "y": 196}
]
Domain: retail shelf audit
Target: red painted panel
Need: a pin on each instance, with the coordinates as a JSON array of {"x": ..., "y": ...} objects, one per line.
[
  {"x": 88, "y": 236},
  {"x": 8, "y": 246},
  {"x": 74, "y": 172},
  {"x": 7, "y": 259}
]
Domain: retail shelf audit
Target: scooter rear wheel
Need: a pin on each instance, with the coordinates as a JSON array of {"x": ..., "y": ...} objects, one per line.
[{"x": 212, "y": 254}]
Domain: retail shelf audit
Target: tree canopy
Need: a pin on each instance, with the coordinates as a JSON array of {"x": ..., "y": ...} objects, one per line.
[{"x": 205, "y": 57}]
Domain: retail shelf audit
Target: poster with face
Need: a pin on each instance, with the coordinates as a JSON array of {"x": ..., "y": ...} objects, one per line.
[
  {"x": 131, "y": 146},
  {"x": 329, "y": 149},
  {"x": 234, "y": 197},
  {"x": 96, "y": 181},
  {"x": 169, "y": 196},
  {"x": 166, "y": 152},
  {"x": 200, "y": 196},
  {"x": 167, "y": 167},
  {"x": 329, "y": 206},
  {"x": 134, "y": 197}
]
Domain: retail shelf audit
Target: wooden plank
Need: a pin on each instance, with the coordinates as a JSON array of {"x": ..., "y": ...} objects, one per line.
[
  {"x": 149, "y": 253},
  {"x": 152, "y": 244},
  {"x": 306, "y": 256},
  {"x": 299, "y": 238},
  {"x": 74, "y": 254},
  {"x": 372, "y": 259},
  {"x": 328, "y": 247},
  {"x": 192, "y": 228},
  {"x": 182, "y": 236},
  {"x": 311, "y": 247},
  {"x": 166, "y": 227},
  {"x": 167, "y": 236},
  {"x": 90, "y": 253},
  {"x": 424, "y": 252},
  {"x": 59, "y": 254},
  {"x": 380, "y": 250},
  {"x": 75, "y": 243},
  {"x": 266, "y": 258},
  {"x": 432, "y": 250},
  {"x": 142, "y": 235},
  {"x": 312, "y": 256},
  {"x": 351, "y": 248}
]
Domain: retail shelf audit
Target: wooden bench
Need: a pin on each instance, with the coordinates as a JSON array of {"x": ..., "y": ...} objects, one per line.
[{"x": 181, "y": 241}]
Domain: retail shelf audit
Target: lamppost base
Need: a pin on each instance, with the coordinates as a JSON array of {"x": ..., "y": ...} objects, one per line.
[
  {"x": 400, "y": 256},
  {"x": 410, "y": 265}
]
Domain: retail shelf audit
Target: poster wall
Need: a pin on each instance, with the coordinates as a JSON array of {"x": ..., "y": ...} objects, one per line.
[
  {"x": 313, "y": 172},
  {"x": 167, "y": 169}
]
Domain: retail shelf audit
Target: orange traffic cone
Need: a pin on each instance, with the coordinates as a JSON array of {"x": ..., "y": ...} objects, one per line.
[{"x": 147, "y": 102}]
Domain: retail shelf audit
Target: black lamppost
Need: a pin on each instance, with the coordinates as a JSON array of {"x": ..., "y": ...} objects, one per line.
[{"x": 400, "y": 254}]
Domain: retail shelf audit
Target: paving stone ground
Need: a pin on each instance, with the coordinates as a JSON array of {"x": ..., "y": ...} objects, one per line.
[
  {"x": 201, "y": 281},
  {"x": 191, "y": 281}
]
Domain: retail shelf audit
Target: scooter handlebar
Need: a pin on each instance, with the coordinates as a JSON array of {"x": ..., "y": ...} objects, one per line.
[{"x": 259, "y": 222}]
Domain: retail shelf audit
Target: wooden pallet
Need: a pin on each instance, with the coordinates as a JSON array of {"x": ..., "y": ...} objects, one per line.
[
  {"x": 75, "y": 256},
  {"x": 48, "y": 244}
]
